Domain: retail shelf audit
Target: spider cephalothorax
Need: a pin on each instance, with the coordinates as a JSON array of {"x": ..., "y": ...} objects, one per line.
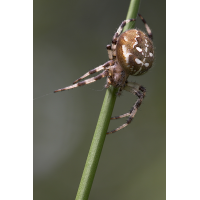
[{"x": 131, "y": 53}]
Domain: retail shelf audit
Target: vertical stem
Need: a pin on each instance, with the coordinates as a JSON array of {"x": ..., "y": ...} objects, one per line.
[
  {"x": 102, "y": 126},
  {"x": 97, "y": 145}
]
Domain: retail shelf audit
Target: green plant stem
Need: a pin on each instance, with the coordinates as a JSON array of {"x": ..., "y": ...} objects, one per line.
[{"x": 102, "y": 125}]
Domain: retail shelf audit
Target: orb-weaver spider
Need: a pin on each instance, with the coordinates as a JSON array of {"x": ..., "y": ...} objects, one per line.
[{"x": 131, "y": 53}]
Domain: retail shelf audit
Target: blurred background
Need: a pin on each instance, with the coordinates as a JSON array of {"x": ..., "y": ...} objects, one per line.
[{"x": 70, "y": 38}]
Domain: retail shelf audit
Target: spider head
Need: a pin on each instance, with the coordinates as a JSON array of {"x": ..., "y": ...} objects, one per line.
[{"x": 134, "y": 52}]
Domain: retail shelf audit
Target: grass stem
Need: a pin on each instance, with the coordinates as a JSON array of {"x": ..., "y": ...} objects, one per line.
[{"x": 102, "y": 125}]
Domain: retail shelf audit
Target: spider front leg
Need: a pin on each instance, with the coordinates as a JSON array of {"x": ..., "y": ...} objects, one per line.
[
  {"x": 110, "y": 55},
  {"x": 105, "y": 73},
  {"x": 140, "y": 92},
  {"x": 97, "y": 69}
]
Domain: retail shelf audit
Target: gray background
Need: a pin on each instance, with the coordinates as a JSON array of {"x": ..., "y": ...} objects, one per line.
[{"x": 70, "y": 38}]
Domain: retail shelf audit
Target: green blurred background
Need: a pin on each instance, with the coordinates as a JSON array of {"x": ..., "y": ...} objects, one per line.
[{"x": 70, "y": 38}]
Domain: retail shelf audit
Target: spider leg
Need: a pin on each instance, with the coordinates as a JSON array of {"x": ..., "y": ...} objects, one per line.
[
  {"x": 85, "y": 82},
  {"x": 108, "y": 47},
  {"x": 147, "y": 27},
  {"x": 121, "y": 116},
  {"x": 139, "y": 91},
  {"x": 111, "y": 48},
  {"x": 97, "y": 69},
  {"x": 133, "y": 85},
  {"x": 117, "y": 34}
]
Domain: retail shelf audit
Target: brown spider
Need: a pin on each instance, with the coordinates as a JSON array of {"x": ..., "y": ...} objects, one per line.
[{"x": 131, "y": 53}]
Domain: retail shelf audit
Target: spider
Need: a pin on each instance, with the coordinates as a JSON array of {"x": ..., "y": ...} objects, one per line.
[{"x": 130, "y": 53}]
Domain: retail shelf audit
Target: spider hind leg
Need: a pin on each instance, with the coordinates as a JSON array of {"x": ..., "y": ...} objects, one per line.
[
  {"x": 146, "y": 26},
  {"x": 140, "y": 92},
  {"x": 115, "y": 38}
]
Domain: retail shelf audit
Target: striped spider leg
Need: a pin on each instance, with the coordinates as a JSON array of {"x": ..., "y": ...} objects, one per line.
[
  {"x": 105, "y": 73},
  {"x": 130, "y": 53},
  {"x": 140, "y": 92}
]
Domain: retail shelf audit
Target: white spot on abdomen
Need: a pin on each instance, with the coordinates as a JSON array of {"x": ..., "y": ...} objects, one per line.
[
  {"x": 125, "y": 38},
  {"x": 139, "y": 49},
  {"x": 150, "y": 54},
  {"x": 126, "y": 53},
  {"x": 138, "y": 61},
  {"x": 136, "y": 42}
]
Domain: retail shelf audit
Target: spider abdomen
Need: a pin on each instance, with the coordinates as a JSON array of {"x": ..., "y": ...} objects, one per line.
[{"x": 135, "y": 52}]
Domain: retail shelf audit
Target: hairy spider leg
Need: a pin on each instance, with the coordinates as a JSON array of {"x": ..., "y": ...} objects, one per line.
[
  {"x": 135, "y": 88},
  {"x": 97, "y": 69},
  {"x": 85, "y": 82},
  {"x": 117, "y": 34},
  {"x": 121, "y": 116},
  {"x": 140, "y": 92},
  {"x": 149, "y": 32},
  {"x": 108, "y": 47}
]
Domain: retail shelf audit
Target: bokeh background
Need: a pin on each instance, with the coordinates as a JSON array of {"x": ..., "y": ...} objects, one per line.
[{"x": 70, "y": 38}]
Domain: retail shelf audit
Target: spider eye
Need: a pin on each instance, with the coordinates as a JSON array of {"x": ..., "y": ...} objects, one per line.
[{"x": 135, "y": 52}]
